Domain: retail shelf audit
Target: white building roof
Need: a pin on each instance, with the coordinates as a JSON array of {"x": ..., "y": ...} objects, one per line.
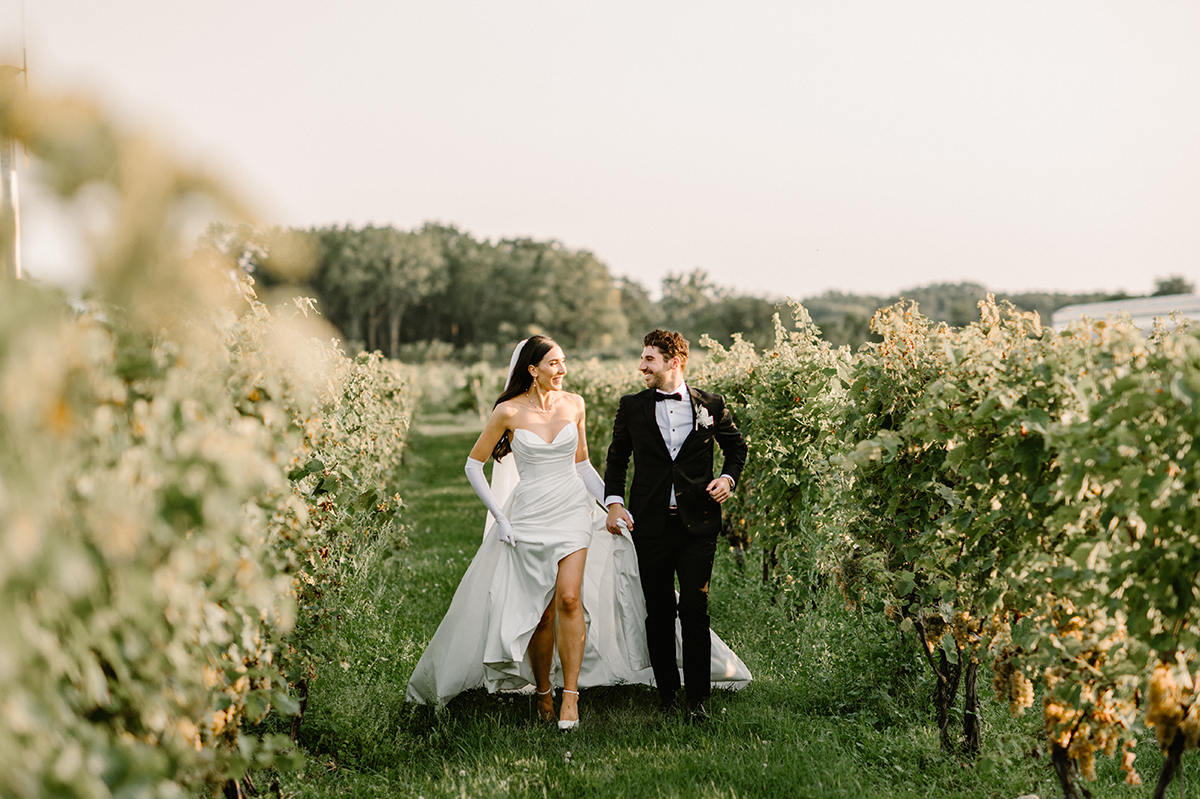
[{"x": 1142, "y": 310}]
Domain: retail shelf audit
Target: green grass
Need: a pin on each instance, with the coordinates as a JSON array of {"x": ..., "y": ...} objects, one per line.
[{"x": 838, "y": 708}]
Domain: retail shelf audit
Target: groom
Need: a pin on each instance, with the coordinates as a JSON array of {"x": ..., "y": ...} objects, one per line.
[{"x": 669, "y": 429}]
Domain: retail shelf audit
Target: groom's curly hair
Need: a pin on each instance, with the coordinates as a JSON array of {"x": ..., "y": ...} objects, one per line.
[{"x": 669, "y": 343}]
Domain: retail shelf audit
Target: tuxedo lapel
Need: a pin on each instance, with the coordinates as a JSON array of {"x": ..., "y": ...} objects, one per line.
[{"x": 696, "y": 406}]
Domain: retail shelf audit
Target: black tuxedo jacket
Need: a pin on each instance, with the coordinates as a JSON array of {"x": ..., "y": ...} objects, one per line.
[{"x": 636, "y": 433}]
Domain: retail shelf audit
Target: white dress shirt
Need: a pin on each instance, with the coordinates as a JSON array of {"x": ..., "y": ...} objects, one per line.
[{"x": 674, "y": 419}]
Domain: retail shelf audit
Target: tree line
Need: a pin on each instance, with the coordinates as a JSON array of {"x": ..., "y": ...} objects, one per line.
[{"x": 438, "y": 289}]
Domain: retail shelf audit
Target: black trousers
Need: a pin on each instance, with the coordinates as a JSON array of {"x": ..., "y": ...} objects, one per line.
[{"x": 676, "y": 552}]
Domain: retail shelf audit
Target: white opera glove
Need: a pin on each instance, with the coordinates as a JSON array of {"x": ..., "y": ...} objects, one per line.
[
  {"x": 591, "y": 479},
  {"x": 504, "y": 529},
  {"x": 505, "y": 532}
]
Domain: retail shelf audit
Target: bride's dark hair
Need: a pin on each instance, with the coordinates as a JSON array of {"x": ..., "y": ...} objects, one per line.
[{"x": 519, "y": 382}]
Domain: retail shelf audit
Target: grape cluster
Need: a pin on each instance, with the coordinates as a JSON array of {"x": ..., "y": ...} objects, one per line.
[
  {"x": 1171, "y": 706},
  {"x": 1010, "y": 683}
]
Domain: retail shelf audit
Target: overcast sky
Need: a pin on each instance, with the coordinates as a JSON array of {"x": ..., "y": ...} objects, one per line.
[{"x": 786, "y": 147}]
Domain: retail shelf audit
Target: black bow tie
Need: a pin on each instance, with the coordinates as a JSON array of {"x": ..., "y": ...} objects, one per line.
[{"x": 659, "y": 396}]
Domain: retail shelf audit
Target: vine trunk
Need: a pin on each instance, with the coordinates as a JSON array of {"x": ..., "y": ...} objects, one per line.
[
  {"x": 1170, "y": 766},
  {"x": 1065, "y": 769}
]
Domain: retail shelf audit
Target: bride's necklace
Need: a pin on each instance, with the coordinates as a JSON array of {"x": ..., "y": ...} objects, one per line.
[{"x": 537, "y": 406}]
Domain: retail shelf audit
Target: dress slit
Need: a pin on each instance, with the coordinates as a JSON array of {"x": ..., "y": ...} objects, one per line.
[{"x": 564, "y": 557}]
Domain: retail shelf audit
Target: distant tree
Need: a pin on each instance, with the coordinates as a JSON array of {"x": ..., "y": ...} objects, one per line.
[
  {"x": 464, "y": 312},
  {"x": 954, "y": 303},
  {"x": 495, "y": 294},
  {"x": 591, "y": 309},
  {"x": 345, "y": 282},
  {"x": 1175, "y": 284},
  {"x": 844, "y": 319},
  {"x": 752, "y": 317},
  {"x": 368, "y": 279},
  {"x": 686, "y": 295},
  {"x": 696, "y": 306},
  {"x": 850, "y": 330},
  {"x": 567, "y": 294},
  {"x": 641, "y": 312},
  {"x": 409, "y": 267}
]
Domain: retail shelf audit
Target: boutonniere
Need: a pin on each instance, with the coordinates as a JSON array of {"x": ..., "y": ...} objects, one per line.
[{"x": 703, "y": 417}]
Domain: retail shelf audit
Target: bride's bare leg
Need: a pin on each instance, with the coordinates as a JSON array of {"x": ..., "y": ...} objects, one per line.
[
  {"x": 568, "y": 600},
  {"x": 541, "y": 656}
]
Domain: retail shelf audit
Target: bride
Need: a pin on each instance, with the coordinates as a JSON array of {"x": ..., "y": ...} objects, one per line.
[{"x": 532, "y": 583}]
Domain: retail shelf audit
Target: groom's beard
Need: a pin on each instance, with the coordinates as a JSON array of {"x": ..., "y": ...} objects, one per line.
[{"x": 655, "y": 379}]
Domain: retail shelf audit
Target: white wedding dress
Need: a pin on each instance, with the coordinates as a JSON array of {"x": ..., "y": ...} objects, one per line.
[{"x": 482, "y": 640}]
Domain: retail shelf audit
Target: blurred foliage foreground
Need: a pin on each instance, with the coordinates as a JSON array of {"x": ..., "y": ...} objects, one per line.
[{"x": 186, "y": 478}]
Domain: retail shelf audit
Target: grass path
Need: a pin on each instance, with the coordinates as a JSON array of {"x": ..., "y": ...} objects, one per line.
[{"x": 835, "y": 709}]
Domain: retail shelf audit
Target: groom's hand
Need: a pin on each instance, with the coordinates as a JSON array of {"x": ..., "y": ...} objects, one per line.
[
  {"x": 616, "y": 514},
  {"x": 720, "y": 489}
]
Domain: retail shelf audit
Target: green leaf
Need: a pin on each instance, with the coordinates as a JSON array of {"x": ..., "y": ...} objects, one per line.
[
  {"x": 949, "y": 647},
  {"x": 327, "y": 484},
  {"x": 284, "y": 703},
  {"x": 947, "y": 493},
  {"x": 1081, "y": 553},
  {"x": 256, "y": 707}
]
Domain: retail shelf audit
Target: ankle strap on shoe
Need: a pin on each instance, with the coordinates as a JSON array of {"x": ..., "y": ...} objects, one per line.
[
  {"x": 549, "y": 690},
  {"x": 569, "y": 691}
]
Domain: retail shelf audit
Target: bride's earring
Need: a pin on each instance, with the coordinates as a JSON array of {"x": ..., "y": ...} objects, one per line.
[{"x": 537, "y": 390}]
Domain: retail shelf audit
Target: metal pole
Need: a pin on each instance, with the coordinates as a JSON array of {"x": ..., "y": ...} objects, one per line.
[
  {"x": 10, "y": 227},
  {"x": 10, "y": 204},
  {"x": 10, "y": 216}
]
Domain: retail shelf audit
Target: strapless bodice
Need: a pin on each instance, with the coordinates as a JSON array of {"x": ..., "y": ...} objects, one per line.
[
  {"x": 538, "y": 459},
  {"x": 550, "y": 493}
]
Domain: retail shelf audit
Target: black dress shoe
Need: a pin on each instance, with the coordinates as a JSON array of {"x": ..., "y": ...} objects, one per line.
[
  {"x": 697, "y": 713},
  {"x": 668, "y": 708}
]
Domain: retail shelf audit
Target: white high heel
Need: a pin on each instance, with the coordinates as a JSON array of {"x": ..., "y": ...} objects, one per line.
[{"x": 568, "y": 725}]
